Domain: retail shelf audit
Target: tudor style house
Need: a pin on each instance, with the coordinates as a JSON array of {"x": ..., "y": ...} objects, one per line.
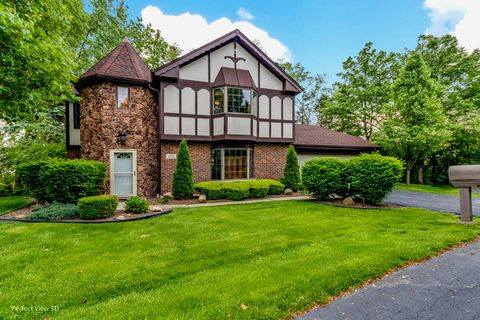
[{"x": 228, "y": 99}]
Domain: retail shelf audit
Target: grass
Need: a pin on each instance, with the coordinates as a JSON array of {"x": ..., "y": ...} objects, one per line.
[
  {"x": 250, "y": 261},
  {"x": 447, "y": 190},
  {"x": 8, "y": 204}
]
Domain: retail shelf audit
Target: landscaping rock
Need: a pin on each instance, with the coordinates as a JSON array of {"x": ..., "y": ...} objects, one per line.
[
  {"x": 288, "y": 191},
  {"x": 348, "y": 201},
  {"x": 120, "y": 218},
  {"x": 168, "y": 195},
  {"x": 20, "y": 216},
  {"x": 202, "y": 198}
]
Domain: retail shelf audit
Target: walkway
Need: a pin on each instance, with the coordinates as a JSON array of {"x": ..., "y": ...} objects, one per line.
[{"x": 443, "y": 288}]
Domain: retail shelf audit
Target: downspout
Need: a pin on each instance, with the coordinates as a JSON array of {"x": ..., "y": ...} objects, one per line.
[{"x": 159, "y": 134}]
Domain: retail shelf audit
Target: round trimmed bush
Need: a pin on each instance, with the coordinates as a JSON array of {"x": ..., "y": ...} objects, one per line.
[
  {"x": 372, "y": 176},
  {"x": 322, "y": 177},
  {"x": 136, "y": 205},
  {"x": 97, "y": 207}
]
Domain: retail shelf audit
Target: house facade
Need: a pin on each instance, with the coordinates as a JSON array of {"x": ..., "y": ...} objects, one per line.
[{"x": 228, "y": 99}]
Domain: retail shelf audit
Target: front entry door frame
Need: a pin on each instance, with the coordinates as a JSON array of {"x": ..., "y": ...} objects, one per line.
[{"x": 112, "y": 171}]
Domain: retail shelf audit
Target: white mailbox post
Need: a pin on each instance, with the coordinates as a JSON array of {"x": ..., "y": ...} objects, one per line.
[{"x": 465, "y": 177}]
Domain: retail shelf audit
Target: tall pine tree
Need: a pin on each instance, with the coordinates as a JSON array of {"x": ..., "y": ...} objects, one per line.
[
  {"x": 183, "y": 177},
  {"x": 291, "y": 173}
]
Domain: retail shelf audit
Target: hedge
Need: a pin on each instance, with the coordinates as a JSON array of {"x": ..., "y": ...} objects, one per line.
[
  {"x": 61, "y": 180},
  {"x": 239, "y": 190},
  {"x": 372, "y": 176},
  {"x": 97, "y": 207},
  {"x": 323, "y": 177}
]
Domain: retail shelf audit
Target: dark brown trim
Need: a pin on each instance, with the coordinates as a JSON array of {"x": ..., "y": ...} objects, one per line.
[
  {"x": 281, "y": 117},
  {"x": 67, "y": 124},
  {"x": 209, "y": 69},
  {"x": 269, "y": 117},
  {"x": 248, "y": 45},
  {"x": 196, "y": 112},
  {"x": 188, "y": 115},
  {"x": 180, "y": 111}
]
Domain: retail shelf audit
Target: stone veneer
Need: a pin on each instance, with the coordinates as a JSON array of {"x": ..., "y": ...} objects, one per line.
[
  {"x": 101, "y": 123},
  {"x": 269, "y": 160},
  {"x": 199, "y": 154}
]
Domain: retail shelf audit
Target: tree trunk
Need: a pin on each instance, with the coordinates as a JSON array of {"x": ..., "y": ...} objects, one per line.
[
  {"x": 420, "y": 172},
  {"x": 408, "y": 169}
]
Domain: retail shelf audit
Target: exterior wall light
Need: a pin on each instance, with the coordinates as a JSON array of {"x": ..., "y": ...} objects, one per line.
[{"x": 123, "y": 136}]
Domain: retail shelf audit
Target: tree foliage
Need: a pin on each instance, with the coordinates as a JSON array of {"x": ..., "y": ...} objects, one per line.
[
  {"x": 307, "y": 101},
  {"x": 356, "y": 103},
  {"x": 183, "y": 177},
  {"x": 291, "y": 172},
  {"x": 415, "y": 126}
]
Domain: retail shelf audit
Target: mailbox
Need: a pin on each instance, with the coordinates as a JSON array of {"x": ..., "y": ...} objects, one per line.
[{"x": 465, "y": 177}]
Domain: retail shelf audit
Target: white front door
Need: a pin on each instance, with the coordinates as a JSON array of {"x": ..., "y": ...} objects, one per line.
[{"x": 123, "y": 177}]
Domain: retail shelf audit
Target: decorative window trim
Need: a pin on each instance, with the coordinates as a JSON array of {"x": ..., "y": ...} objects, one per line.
[
  {"x": 253, "y": 96},
  {"x": 117, "y": 106},
  {"x": 222, "y": 163}
]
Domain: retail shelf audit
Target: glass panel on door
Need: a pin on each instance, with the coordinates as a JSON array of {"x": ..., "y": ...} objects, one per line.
[{"x": 123, "y": 173}]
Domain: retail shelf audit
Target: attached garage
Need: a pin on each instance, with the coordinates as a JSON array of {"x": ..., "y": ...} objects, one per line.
[{"x": 317, "y": 142}]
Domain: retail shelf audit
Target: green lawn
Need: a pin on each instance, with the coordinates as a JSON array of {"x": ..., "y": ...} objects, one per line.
[
  {"x": 8, "y": 204},
  {"x": 205, "y": 263},
  {"x": 448, "y": 190}
]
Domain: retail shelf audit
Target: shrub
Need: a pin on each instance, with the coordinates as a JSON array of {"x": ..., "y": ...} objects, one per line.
[
  {"x": 276, "y": 187},
  {"x": 291, "y": 173},
  {"x": 55, "y": 211},
  {"x": 322, "y": 177},
  {"x": 372, "y": 176},
  {"x": 63, "y": 181},
  {"x": 97, "y": 207},
  {"x": 257, "y": 188},
  {"x": 136, "y": 205},
  {"x": 182, "y": 177},
  {"x": 238, "y": 190}
]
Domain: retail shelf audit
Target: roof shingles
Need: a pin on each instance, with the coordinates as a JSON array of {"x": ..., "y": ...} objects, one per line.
[
  {"x": 122, "y": 63},
  {"x": 319, "y": 137}
]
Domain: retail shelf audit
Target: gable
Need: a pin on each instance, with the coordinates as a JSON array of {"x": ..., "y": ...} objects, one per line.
[{"x": 204, "y": 64}]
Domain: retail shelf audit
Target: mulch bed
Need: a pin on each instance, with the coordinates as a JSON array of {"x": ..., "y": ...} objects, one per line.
[
  {"x": 195, "y": 201},
  {"x": 357, "y": 205},
  {"x": 120, "y": 216}
]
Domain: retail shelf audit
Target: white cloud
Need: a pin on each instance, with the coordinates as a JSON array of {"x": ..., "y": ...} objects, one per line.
[
  {"x": 244, "y": 14},
  {"x": 190, "y": 31},
  {"x": 460, "y": 18}
]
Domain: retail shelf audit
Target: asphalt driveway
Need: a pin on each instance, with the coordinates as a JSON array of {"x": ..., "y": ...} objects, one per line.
[
  {"x": 444, "y": 288},
  {"x": 431, "y": 201}
]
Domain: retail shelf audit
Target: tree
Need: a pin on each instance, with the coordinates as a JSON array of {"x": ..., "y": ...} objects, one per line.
[
  {"x": 291, "y": 172},
  {"x": 458, "y": 74},
  {"x": 415, "y": 126},
  {"x": 108, "y": 24},
  {"x": 356, "y": 103},
  {"x": 314, "y": 88},
  {"x": 36, "y": 61},
  {"x": 182, "y": 177}
]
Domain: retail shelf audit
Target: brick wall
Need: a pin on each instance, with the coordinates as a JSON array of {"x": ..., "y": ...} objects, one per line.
[
  {"x": 269, "y": 160},
  {"x": 199, "y": 154},
  {"x": 101, "y": 123}
]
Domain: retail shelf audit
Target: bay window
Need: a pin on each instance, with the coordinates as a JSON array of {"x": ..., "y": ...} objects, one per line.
[
  {"x": 232, "y": 163},
  {"x": 233, "y": 99}
]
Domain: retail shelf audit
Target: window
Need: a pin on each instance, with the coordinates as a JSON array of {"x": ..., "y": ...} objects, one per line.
[
  {"x": 231, "y": 99},
  {"x": 122, "y": 97},
  {"x": 233, "y": 163},
  {"x": 76, "y": 115}
]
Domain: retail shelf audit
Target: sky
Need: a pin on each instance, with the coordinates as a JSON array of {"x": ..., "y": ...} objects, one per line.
[{"x": 320, "y": 34}]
